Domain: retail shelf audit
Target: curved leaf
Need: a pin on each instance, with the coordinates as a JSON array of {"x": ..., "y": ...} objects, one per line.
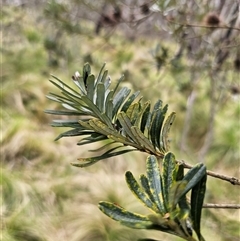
[
  {"x": 155, "y": 183},
  {"x": 193, "y": 176},
  {"x": 133, "y": 112},
  {"x": 90, "y": 87},
  {"x": 86, "y": 72},
  {"x": 64, "y": 112},
  {"x": 176, "y": 193},
  {"x": 85, "y": 162},
  {"x": 197, "y": 198},
  {"x": 165, "y": 130},
  {"x": 142, "y": 140},
  {"x": 143, "y": 116},
  {"x": 168, "y": 174},
  {"x": 94, "y": 137},
  {"x": 66, "y": 123},
  {"x": 109, "y": 105},
  {"x": 119, "y": 98},
  {"x": 118, "y": 83},
  {"x": 126, "y": 125},
  {"x": 154, "y": 130},
  {"x": 74, "y": 132},
  {"x": 100, "y": 97},
  {"x": 130, "y": 100},
  {"x": 138, "y": 191},
  {"x": 101, "y": 78},
  {"x": 146, "y": 187},
  {"x": 125, "y": 217}
]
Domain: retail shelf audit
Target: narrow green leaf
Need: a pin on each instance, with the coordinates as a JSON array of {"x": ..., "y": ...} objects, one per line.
[
  {"x": 85, "y": 162},
  {"x": 64, "y": 87},
  {"x": 147, "y": 126},
  {"x": 125, "y": 217},
  {"x": 91, "y": 139},
  {"x": 102, "y": 128},
  {"x": 160, "y": 120},
  {"x": 188, "y": 182},
  {"x": 133, "y": 112},
  {"x": 118, "y": 83},
  {"x": 168, "y": 170},
  {"x": 197, "y": 198},
  {"x": 146, "y": 187},
  {"x": 180, "y": 172},
  {"x": 183, "y": 204},
  {"x": 100, "y": 97},
  {"x": 142, "y": 116},
  {"x": 166, "y": 128},
  {"x": 63, "y": 112},
  {"x": 193, "y": 176},
  {"x": 155, "y": 183},
  {"x": 130, "y": 100},
  {"x": 109, "y": 110},
  {"x": 109, "y": 105},
  {"x": 66, "y": 123},
  {"x": 155, "y": 129},
  {"x": 74, "y": 132},
  {"x": 119, "y": 99},
  {"x": 96, "y": 112},
  {"x": 60, "y": 98},
  {"x": 104, "y": 146},
  {"x": 57, "y": 98},
  {"x": 104, "y": 76},
  {"x": 80, "y": 84},
  {"x": 107, "y": 82},
  {"x": 101, "y": 77},
  {"x": 124, "y": 140},
  {"x": 86, "y": 72},
  {"x": 90, "y": 87},
  {"x": 138, "y": 191},
  {"x": 157, "y": 106},
  {"x": 126, "y": 125},
  {"x": 85, "y": 124},
  {"x": 175, "y": 193},
  {"x": 142, "y": 140}
]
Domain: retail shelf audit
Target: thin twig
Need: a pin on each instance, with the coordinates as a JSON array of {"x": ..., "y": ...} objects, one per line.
[
  {"x": 225, "y": 206},
  {"x": 203, "y": 26},
  {"x": 232, "y": 180}
]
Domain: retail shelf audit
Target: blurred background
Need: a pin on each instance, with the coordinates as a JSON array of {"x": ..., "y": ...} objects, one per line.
[{"x": 161, "y": 49}]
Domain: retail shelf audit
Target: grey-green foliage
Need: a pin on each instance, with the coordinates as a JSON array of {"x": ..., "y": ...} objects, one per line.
[
  {"x": 116, "y": 115},
  {"x": 121, "y": 118},
  {"x": 165, "y": 195}
]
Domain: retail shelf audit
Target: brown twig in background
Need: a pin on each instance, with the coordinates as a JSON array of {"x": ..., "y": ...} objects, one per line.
[
  {"x": 203, "y": 26},
  {"x": 225, "y": 206},
  {"x": 232, "y": 180}
]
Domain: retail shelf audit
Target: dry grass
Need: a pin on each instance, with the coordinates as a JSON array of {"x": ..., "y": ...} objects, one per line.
[{"x": 45, "y": 198}]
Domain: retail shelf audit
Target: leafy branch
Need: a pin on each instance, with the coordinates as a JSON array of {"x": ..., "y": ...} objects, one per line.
[
  {"x": 112, "y": 115},
  {"x": 115, "y": 116},
  {"x": 121, "y": 119},
  {"x": 164, "y": 193}
]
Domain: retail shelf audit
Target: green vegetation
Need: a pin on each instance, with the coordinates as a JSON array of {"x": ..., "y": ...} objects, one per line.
[{"x": 44, "y": 197}]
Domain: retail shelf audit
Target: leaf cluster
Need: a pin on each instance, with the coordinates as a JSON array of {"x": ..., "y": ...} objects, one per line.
[
  {"x": 123, "y": 120},
  {"x": 164, "y": 193},
  {"x": 115, "y": 115}
]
